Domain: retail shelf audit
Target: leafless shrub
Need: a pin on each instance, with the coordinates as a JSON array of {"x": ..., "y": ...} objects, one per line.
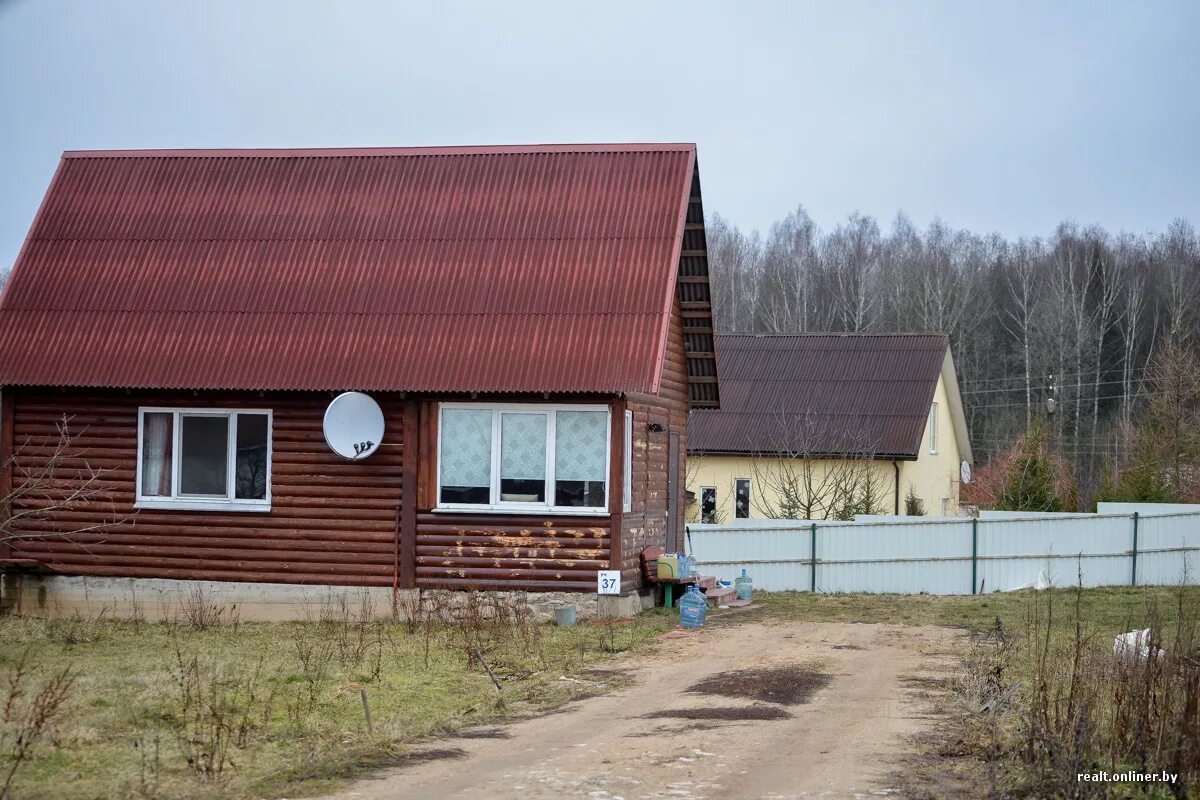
[
  {"x": 78, "y": 628},
  {"x": 50, "y": 475},
  {"x": 485, "y": 622},
  {"x": 315, "y": 652},
  {"x": 29, "y": 713},
  {"x": 1080, "y": 709},
  {"x": 200, "y": 613},
  {"x": 216, "y": 706}
]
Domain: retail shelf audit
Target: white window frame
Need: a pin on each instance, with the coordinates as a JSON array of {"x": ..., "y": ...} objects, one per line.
[
  {"x": 498, "y": 506},
  {"x": 627, "y": 468},
  {"x": 749, "y": 496},
  {"x": 933, "y": 428},
  {"x": 176, "y": 502},
  {"x": 716, "y": 501}
]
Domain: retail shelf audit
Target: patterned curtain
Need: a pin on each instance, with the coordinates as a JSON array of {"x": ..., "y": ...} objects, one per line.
[
  {"x": 466, "y": 458},
  {"x": 581, "y": 446},
  {"x": 523, "y": 447}
]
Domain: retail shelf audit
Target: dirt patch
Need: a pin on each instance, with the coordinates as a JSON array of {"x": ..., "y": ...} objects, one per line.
[
  {"x": 728, "y": 713},
  {"x": 430, "y": 754},
  {"x": 788, "y": 686},
  {"x": 846, "y": 647},
  {"x": 483, "y": 733}
]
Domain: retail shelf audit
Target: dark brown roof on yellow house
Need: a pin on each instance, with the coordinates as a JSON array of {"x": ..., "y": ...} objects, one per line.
[{"x": 826, "y": 394}]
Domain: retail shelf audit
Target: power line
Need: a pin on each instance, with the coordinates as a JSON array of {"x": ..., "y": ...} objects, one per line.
[
  {"x": 1045, "y": 373},
  {"x": 1044, "y": 386},
  {"x": 1059, "y": 400}
]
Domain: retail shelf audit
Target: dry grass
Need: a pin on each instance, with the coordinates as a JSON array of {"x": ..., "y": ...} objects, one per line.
[
  {"x": 1040, "y": 696},
  {"x": 206, "y": 706}
]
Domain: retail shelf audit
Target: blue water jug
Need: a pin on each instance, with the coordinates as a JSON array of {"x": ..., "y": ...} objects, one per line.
[
  {"x": 691, "y": 566},
  {"x": 743, "y": 586},
  {"x": 693, "y": 608},
  {"x": 683, "y": 565}
]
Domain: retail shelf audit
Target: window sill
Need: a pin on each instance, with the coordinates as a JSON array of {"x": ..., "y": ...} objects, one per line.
[
  {"x": 522, "y": 512},
  {"x": 240, "y": 506}
]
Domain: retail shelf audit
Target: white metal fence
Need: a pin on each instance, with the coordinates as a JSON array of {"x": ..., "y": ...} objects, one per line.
[{"x": 954, "y": 555}]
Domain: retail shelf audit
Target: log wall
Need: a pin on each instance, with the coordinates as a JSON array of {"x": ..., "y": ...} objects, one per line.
[
  {"x": 646, "y": 524},
  {"x": 331, "y": 521}
]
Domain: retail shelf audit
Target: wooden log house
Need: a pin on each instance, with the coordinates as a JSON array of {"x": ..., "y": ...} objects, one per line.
[{"x": 534, "y": 322}]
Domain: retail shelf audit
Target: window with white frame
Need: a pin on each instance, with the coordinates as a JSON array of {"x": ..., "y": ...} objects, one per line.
[
  {"x": 741, "y": 498},
  {"x": 204, "y": 459},
  {"x": 627, "y": 470},
  {"x": 933, "y": 433},
  {"x": 522, "y": 456}
]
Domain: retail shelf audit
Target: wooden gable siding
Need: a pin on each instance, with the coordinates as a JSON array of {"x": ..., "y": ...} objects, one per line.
[
  {"x": 331, "y": 521},
  {"x": 645, "y": 525}
]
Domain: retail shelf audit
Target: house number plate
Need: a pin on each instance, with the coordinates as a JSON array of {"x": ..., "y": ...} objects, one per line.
[{"x": 608, "y": 581}]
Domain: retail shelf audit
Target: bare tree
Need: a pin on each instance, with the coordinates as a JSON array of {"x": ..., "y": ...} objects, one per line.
[
  {"x": 820, "y": 468},
  {"x": 49, "y": 476}
]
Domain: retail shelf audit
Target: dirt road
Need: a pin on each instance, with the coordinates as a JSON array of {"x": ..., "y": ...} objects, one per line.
[{"x": 823, "y": 711}]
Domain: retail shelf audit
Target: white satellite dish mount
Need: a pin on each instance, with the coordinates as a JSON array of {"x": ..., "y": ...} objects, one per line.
[{"x": 353, "y": 425}]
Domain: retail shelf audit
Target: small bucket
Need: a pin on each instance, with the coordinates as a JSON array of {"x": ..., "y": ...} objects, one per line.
[{"x": 564, "y": 616}]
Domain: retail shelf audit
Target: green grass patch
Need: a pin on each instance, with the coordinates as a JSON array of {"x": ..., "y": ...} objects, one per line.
[{"x": 147, "y": 697}]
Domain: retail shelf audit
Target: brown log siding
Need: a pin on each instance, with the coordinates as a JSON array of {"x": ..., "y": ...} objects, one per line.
[
  {"x": 646, "y": 524},
  {"x": 538, "y": 553},
  {"x": 331, "y": 521}
]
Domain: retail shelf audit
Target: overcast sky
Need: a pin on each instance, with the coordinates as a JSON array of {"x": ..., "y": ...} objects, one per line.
[{"x": 1000, "y": 116}]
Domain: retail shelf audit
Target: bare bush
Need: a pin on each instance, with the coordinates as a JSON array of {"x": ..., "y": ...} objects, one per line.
[
  {"x": 200, "y": 613},
  {"x": 216, "y": 707},
  {"x": 51, "y": 475},
  {"x": 29, "y": 713}
]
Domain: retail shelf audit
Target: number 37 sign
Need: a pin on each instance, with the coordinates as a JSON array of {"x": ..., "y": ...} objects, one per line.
[{"x": 608, "y": 581}]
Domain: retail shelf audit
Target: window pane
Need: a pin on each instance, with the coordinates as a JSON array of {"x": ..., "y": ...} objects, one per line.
[
  {"x": 250, "y": 482},
  {"x": 204, "y": 451},
  {"x": 523, "y": 458},
  {"x": 741, "y": 500},
  {"x": 466, "y": 457},
  {"x": 580, "y": 453},
  {"x": 157, "y": 440},
  {"x": 708, "y": 504}
]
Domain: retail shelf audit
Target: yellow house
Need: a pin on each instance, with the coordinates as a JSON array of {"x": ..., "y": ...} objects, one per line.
[{"x": 826, "y": 426}]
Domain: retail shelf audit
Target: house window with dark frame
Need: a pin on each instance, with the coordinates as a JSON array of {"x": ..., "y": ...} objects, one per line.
[
  {"x": 513, "y": 457},
  {"x": 708, "y": 504},
  {"x": 204, "y": 459},
  {"x": 741, "y": 498}
]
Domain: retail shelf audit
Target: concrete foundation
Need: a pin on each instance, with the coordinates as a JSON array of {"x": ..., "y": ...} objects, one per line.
[{"x": 154, "y": 599}]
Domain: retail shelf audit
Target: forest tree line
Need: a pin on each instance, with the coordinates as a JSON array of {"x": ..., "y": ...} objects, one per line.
[{"x": 1076, "y": 317}]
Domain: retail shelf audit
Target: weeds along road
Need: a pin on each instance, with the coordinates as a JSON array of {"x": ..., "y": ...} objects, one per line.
[{"x": 748, "y": 710}]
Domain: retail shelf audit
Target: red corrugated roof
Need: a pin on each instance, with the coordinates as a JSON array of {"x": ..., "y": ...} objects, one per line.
[
  {"x": 490, "y": 269},
  {"x": 821, "y": 394}
]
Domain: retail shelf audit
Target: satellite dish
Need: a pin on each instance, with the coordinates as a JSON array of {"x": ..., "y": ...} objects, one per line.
[
  {"x": 353, "y": 425},
  {"x": 964, "y": 471}
]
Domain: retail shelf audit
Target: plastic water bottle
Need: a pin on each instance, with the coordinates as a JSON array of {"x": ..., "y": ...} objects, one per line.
[
  {"x": 684, "y": 565},
  {"x": 693, "y": 608},
  {"x": 691, "y": 566},
  {"x": 743, "y": 586}
]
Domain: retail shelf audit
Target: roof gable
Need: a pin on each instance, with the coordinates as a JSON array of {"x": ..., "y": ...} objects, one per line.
[
  {"x": 821, "y": 394},
  {"x": 505, "y": 269}
]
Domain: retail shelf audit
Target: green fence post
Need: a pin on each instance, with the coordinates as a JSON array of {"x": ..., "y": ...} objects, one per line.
[
  {"x": 1133, "y": 576},
  {"x": 813, "y": 553},
  {"x": 974, "y": 555}
]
